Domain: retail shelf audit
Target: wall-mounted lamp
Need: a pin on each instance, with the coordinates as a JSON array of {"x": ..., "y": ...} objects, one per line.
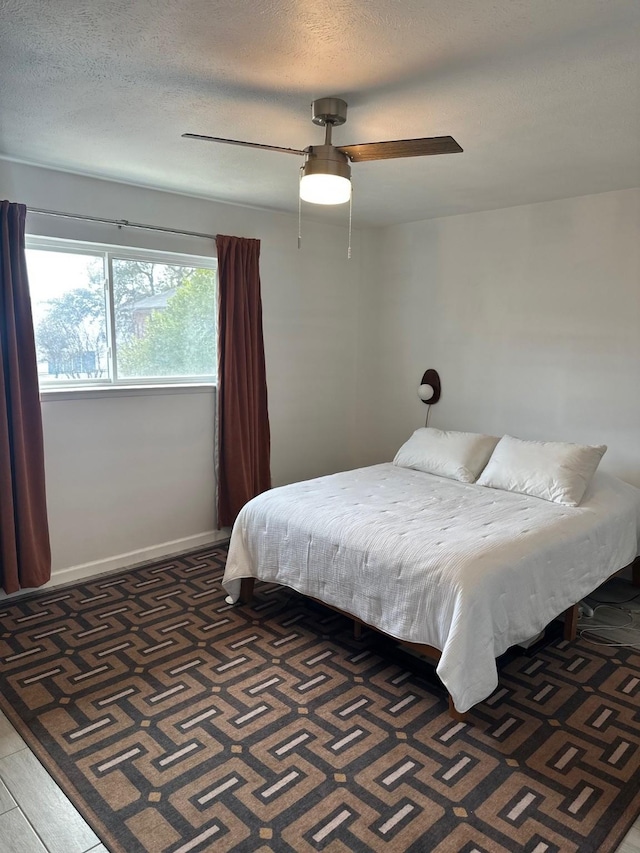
[{"x": 429, "y": 389}]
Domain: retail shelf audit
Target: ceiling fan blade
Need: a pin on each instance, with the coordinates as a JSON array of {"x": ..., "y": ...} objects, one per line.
[
  {"x": 244, "y": 144},
  {"x": 401, "y": 148}
]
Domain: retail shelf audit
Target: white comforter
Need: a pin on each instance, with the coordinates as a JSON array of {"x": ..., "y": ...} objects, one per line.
[{"x": 464, "y": 568}]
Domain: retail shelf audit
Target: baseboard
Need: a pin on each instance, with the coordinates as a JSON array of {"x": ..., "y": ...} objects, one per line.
[{"x": 131, "y": 558}]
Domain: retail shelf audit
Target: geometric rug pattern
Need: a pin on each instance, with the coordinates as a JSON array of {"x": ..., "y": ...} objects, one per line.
[{"x": 179, "y": 724}]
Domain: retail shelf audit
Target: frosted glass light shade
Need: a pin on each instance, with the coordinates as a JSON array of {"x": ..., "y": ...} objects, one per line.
[
  {"x": 425, "y": 392},
  {"x": 325, "y": 189}
]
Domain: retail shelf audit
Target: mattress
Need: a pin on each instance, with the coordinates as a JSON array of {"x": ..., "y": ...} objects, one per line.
[{"x": 463, "y": 568}]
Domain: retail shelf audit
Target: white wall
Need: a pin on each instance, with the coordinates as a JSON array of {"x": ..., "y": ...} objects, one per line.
[
  {"x": 130, "y": 475},
  {"x": 531, "y": 315},
  {"x": 128, "y": 478}
]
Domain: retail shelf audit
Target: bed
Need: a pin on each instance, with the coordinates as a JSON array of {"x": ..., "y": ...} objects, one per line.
[{"x": 464, "y": 570}]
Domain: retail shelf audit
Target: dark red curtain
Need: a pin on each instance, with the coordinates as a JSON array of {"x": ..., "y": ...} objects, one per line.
[
  {"x": 25, "y": 556},
  {"x": 243, "y": 418}
]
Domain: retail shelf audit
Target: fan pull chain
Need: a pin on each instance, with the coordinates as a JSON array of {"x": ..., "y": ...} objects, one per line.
[
  {"x": 350, "y": 210},
  {"x": 300, "y": 209}
]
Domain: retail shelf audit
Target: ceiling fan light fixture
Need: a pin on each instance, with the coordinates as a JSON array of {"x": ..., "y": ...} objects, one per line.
[
  {"x": 321, "y": 188},
  {"x": 326, "y": 176}
]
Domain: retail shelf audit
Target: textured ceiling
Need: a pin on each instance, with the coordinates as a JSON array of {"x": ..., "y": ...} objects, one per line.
[{"x": 543, "y": 95}]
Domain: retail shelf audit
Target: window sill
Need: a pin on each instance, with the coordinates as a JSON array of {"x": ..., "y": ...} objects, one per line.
[{"x": 87, "y": 392}]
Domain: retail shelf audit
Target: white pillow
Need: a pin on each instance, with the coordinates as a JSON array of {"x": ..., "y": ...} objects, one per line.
[
  {"x": 456, "y": 455},
  {"x": 552, "y": 470}
]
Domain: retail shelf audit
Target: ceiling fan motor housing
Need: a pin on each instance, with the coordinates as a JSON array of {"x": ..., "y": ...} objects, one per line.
[{"x": 327, "y": 160}]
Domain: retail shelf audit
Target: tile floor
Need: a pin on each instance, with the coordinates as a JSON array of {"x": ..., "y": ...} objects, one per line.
[{"x": 36, "y": 817}]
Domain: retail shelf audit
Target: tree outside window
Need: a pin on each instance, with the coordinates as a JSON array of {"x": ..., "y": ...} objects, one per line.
[{"x": 163, "y": 317}]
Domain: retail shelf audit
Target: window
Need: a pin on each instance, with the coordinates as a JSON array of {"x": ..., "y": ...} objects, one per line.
[{"x": 107, "y": 316}]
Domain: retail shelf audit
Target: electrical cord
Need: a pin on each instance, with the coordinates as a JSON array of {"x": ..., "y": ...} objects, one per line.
[{"x": 584, "y": 630}]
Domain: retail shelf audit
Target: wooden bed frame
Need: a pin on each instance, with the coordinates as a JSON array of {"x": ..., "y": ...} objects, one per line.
[{"x": 570, "y": 616}]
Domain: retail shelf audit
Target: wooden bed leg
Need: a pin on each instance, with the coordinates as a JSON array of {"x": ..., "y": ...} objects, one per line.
[
  {"x": 456, "y": 715},
  {"x": 357, "y": 630},
  {"x": 571, "y": 623},
  {"x": 635, "y": 572},
  {"x": 246, "y": 590}
]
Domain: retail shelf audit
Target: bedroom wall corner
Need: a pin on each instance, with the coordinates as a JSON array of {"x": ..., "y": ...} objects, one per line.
[{"x": 378, "y": 343}]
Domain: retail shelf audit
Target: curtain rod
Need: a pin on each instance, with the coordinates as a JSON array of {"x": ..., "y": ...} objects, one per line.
[{"x": 120, "y": 223}]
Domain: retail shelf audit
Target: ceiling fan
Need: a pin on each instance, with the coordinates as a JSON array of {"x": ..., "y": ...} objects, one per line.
[{"x": 326, "y": 174}]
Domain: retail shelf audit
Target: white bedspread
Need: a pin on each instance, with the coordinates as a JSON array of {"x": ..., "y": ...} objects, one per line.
[{"x": 464, "y": 568}]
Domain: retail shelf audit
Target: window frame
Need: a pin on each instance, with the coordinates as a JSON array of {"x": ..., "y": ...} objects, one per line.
[{"x": 110, "y": 252}]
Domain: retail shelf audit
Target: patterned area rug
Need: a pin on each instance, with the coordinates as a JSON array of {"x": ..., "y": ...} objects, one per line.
[{"x": 179, "y": 724}]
